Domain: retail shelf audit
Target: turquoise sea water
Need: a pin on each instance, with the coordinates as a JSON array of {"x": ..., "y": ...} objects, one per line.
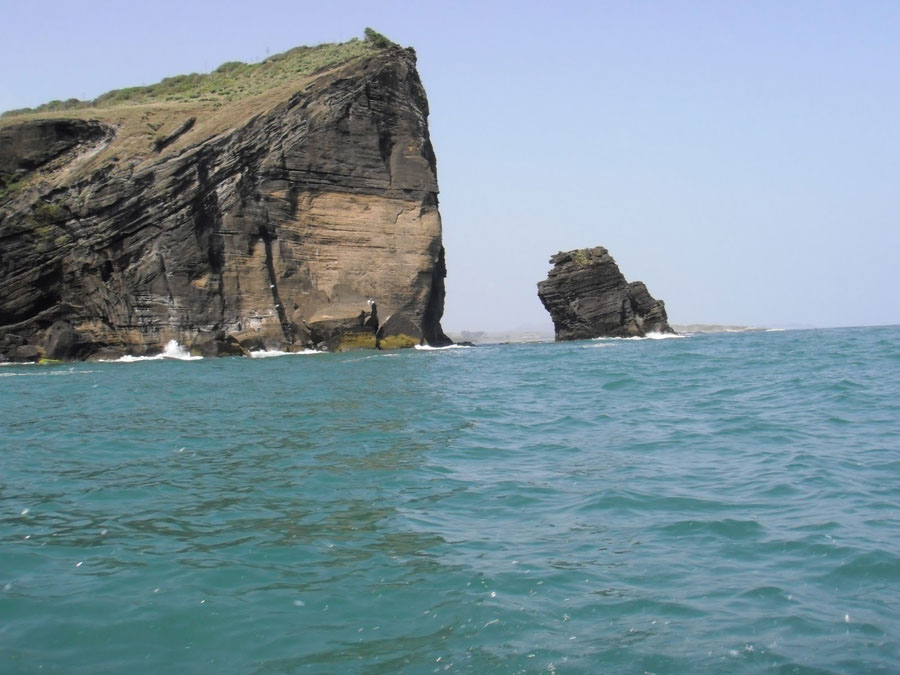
[{"x": 712, "y": 504}]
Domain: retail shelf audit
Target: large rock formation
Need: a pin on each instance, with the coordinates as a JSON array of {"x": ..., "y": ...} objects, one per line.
[
  {"x": 276, "y": 220},
  {"x": 588, "y": 297}
]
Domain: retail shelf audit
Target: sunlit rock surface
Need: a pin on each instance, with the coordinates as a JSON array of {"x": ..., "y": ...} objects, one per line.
[{"x": 274, "y": 222}]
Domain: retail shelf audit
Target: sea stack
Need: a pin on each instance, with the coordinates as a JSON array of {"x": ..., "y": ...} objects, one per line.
[
  {"x": 265, "y": 205},
  {"x": 588, "y": 297}
]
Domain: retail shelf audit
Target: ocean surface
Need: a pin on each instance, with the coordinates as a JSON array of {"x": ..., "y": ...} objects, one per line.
[{"x": 709, "y": 504}]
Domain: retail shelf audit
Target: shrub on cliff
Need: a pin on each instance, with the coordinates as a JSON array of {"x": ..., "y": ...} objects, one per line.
[
  {"x": 378, "y": 39},
  {"x": 231, "y": 81}
]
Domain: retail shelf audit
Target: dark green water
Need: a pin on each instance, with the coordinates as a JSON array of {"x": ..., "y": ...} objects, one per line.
[{"x": 714, "y": 504}]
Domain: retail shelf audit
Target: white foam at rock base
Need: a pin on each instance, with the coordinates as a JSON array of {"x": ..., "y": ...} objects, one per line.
[
  {"x": 265, "y": 354},
  {"x": 648, "y": 336},
  {"x": 429, "y": 348},
  {"x": 172, "y": 350}
]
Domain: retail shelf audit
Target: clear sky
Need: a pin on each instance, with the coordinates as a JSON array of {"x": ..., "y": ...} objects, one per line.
[{"x": 741, "y": 158}]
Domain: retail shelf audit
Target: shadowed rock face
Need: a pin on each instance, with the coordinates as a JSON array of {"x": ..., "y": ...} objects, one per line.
[
  {"x": 588, "y": 297},
  {"x": 270, "y": 223},
  {"x": 30, "y": 144}
]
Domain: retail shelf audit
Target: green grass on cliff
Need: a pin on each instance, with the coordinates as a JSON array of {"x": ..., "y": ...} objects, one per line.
[
  {"x": 8, "y": 184},
  {"x": 232, "y": 81}
]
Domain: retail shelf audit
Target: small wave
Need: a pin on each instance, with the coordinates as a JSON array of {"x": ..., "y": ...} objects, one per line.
[
  {"x": 767, "y": 593},
  {"x": 128, "y": 358},
  {"x": 648, "y": 336},
  {"x": 871, "y": 567},
  {"x": 620, "y": 383},
  {"x": 46, "y": 373},
  {"x": 172, "y": 350},
  {"x": 774, "y": 330},
  {"x": 728, "y": 528},
  {"x": 664, "y": 336},
  {"x": 269, "y": 353},
  {"x": 429, "y": 348},
  {"x": 379, "y": 355}
]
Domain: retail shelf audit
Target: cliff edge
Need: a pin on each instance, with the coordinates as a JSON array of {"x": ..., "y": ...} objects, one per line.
[
  {"x": 283, "y": 205},
  {"x": 588, "y": 297}
]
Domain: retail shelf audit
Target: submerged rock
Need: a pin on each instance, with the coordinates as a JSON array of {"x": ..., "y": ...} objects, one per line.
[
  {"x": 272, "y": 221},
  {"x": 588, "y": 297}
]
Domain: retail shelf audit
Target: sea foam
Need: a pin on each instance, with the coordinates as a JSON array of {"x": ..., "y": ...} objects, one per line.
[
  {"x": 269, "y": 353},
  {"x": 429, "y": 348},
  {"x": 648, "y": 336},
  {"x": 172, "y": 350}
]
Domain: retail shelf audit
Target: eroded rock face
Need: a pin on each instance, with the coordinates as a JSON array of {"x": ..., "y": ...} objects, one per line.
[
  {"x": 272, "y": 223},
  {"x": 588, "y": 297},
  {"x": 33, "y": 143}
]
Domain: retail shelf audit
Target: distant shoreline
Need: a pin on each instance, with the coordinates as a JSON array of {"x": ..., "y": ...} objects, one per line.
[
  {"x": 537, "y": 335},
  {"x": 714, "y": 328}
]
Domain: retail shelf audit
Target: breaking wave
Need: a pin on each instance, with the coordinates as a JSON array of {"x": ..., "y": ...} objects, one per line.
[
  {"x": 269, "y": 353},
  {"x": 429, "y": 348},
  {"x": 172, "y": 350},
  {"x": 648, "y": 336}
]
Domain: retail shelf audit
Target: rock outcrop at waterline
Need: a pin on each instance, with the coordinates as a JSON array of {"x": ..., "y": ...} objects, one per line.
[
  {"x": 588, "y": 297},
  {"x": 275, "y": 221}
]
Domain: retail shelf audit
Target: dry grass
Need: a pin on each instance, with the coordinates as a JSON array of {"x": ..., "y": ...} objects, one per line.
[
  {"x": 242, "y": 91},
  {"x": 232, "y": 81},
  {"x": 221, "y": 101}
]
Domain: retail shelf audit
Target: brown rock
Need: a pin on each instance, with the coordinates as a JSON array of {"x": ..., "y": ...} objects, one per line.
[
  {"x": 216, "y": 344},
  {"x": 27, "y": 353},
  {"x": 61, "y": 342}
]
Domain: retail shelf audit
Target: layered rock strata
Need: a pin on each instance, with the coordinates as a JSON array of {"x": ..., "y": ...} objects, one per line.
[
  {"x": 588, "y": 297},
  {"x": 276, "y": 222}
]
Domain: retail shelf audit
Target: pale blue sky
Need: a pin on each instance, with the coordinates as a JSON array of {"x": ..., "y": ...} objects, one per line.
[{"x": 741, "y": 158}]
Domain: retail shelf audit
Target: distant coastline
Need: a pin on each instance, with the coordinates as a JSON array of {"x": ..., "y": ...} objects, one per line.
[
  {"x": 714, "y": 328},
  {"x": 546, "y": 335},
  {"x": 500, "y": 336}
]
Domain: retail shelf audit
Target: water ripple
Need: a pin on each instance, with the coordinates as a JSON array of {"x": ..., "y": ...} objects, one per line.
[{"x": 715, "y": 504}]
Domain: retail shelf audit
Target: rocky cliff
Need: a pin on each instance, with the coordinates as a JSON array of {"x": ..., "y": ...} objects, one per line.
[
  {"x": 588, "y": 297},
  {"x": 298, "y": 214}
]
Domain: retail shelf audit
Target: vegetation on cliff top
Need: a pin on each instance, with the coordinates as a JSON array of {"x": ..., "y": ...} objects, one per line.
[
  {"x": 582, "y": 257},
  {"x": 232, "y": 81}
]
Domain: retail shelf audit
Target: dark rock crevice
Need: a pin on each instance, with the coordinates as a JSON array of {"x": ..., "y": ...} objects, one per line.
[
  {"x": 431, "y": 322},
  {"x": 163, "y": 142},
  {"x": 286, "y": 326},
  {"x": 34, "y": 143}
]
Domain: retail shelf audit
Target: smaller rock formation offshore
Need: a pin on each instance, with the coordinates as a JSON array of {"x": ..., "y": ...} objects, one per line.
[{"x": 588, "y": 297}]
